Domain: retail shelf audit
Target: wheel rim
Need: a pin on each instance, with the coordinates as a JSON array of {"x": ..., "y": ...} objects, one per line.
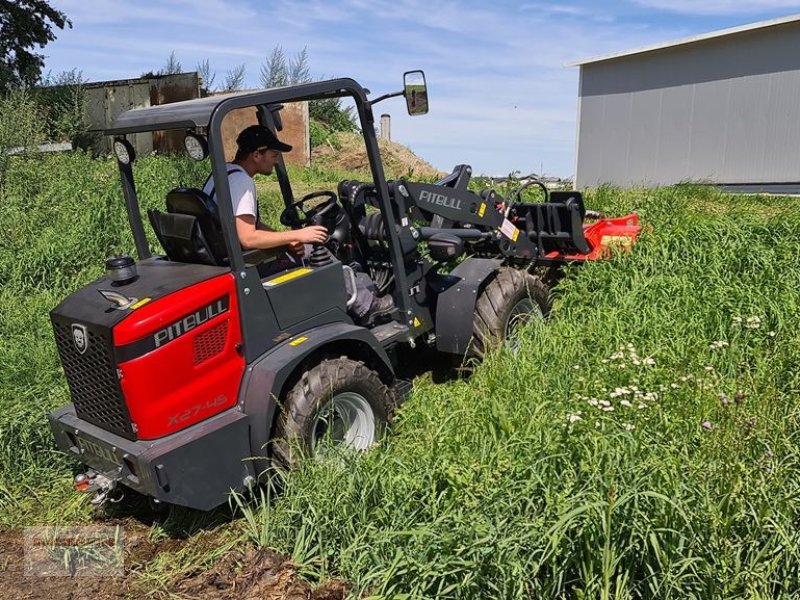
[
  {"x": 524, "y": 311},
  {"x": 347, "y": 421}
]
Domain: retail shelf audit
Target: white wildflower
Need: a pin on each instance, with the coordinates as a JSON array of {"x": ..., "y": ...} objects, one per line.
[
  {"x": 574, "y": 417},
  {"x": 642, "y": 406},
  {"x": 626, "y": 403},
  {"x": 629, "y": 426},
  {"x": 608, "y": 408},
  {"x": 649, "y": 361},
  {"x": 753, "y": 322}
]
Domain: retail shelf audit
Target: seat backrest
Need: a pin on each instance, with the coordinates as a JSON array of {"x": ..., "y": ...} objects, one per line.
[{"x": 190, "y": 231}]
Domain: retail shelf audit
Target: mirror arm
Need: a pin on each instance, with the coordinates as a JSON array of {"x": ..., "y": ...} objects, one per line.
[{"x": 387, "y": 96}]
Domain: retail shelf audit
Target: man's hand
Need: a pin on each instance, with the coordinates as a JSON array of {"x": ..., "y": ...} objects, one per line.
[{"x": 313, "y": 234}]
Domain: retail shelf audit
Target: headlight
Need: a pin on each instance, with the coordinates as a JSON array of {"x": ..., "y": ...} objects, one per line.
[
  {"x": 196, "y": 146},
  {"x": 124, "y": 151}
]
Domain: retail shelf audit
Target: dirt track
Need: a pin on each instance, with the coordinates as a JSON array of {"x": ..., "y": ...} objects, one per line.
[{"x": 242, "y": 574}]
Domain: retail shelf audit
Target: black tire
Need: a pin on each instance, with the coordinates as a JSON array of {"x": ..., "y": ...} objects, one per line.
[
  {"x": 342, "y": 383},
  {"x": 511, "y": 298}
]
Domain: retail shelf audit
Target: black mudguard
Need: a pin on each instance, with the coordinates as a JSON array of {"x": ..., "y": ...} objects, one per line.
[
  {"x": 266, "y": 377},
  {"x": 455, "y": 306}
]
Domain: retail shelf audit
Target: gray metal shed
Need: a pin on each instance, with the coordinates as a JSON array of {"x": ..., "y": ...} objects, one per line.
[{"x": 723, "y": 107}]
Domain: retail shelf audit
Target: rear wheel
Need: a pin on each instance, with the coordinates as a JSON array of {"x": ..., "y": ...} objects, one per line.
[
  {"x": 340, "y": 403},
  {"x": 513, "y": 298}
]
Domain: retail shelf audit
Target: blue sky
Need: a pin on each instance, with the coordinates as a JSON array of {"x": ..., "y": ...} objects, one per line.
[{"x": 501, "y": 98}]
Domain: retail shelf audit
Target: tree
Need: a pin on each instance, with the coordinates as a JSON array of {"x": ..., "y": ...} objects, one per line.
[
  {"x": 277, "y": 71},
  {"x": 25, "y": 24},
  {"x": 172, "y": 67},
  {"x": 234, "y": 79},
  {"x": 207, "y": 75}
]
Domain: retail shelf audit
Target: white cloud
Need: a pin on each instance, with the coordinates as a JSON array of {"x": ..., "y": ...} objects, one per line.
[
  {"x": 500, "y": 98},
  {"x": 720, "y": 7}
]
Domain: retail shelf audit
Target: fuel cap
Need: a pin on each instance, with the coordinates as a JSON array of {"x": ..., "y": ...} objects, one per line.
[{"x": 121, "y": 269}]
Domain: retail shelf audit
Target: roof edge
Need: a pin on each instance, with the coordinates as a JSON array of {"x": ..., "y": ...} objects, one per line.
[{"x": 689, "y": 40}]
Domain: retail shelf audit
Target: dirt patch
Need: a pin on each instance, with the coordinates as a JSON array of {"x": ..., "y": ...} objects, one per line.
[
  {"x": 15, "y": 585},
  {"x": 241, "y": 574},
  {"x": 254, "y": 574},
  {"x": 346, "y": 151}
]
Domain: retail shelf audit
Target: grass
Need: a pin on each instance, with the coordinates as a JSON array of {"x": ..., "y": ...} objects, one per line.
[{"x": 521, "y": 482}]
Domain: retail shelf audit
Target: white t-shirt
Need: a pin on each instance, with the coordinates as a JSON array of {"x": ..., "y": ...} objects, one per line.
[{"x": 243, "y": 191}]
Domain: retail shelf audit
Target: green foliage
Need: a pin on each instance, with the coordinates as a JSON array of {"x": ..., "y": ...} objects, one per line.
[
  {"x": 25, "y": 24},
  {"x": 331, "y": 113},
  {"x": 328, "y": 115},
  {"x": 21, "y": 126},
  {"x": 62, "y": 215},
  {"x": 172, "y": 66},
  {"x": 207, "y": 75},
  {"x": 643, "y": 444},
  {"x": 519, "y": 483},
  {"x": 62, "y": 99},
  {"x": 234, "y": 79}
]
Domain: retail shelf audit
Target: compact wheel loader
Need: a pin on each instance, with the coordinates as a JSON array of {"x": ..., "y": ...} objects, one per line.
[{"x": 191, "y": 375}]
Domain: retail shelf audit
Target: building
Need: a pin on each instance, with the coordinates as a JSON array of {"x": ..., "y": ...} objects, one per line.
[
  {"x": 720, "y": 107},
  {"x": 106, "y": 100}
]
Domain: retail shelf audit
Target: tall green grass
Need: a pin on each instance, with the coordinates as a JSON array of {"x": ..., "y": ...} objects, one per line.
[
  {"x": 61, "y": 215},
  {"x": 518, "y": 484}
]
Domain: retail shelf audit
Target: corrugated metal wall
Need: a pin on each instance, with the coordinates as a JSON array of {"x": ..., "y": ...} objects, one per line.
[
  {"x": 105, "y": 101},
  {"x": 725, "y": 110}
]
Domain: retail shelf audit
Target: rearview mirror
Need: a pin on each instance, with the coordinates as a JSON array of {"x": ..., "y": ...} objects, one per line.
[{"x": 416, "y": 92}]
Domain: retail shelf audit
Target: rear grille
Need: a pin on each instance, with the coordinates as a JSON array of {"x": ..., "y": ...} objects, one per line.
[
  {"x": 92, "y": 379},
  {"x": 210, "y": 342}
]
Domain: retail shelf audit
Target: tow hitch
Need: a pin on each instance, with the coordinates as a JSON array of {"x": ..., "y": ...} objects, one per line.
[{"x": 91, "y": 481}]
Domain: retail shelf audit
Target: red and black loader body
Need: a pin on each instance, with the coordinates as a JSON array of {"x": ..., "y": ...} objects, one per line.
[{"x": 183, "y": 366}]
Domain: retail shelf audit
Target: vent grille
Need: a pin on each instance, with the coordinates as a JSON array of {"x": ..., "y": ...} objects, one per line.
[
  {"x": 93, "y": 381},
  {"x": 210, "y": 343}
]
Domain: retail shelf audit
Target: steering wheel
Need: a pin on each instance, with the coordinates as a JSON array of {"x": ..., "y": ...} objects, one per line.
[{"x": 313, "y": 216}]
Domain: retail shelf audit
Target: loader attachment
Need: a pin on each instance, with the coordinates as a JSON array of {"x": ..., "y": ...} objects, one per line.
[{"x": 557, "y": 228}]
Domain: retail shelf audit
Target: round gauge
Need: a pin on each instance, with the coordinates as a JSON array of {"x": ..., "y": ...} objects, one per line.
[
  {"x": 195, "y": 146},
  {"x": 124, "y": 151}
]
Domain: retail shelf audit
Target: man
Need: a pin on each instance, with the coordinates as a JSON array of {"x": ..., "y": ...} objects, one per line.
[{"x": 257, "y": 151}]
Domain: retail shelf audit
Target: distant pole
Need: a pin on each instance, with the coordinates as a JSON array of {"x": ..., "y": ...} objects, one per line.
[{"x": 386, "y": 127}]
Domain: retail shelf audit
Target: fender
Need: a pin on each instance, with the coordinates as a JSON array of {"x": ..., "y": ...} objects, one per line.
[
  {"x": 265, "y": 377},
  {"x": 456, "y": 305}
]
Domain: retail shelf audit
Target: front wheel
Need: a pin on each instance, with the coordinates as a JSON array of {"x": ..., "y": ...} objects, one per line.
[
  {"x": 511, "y": 299},
  {"x": 340, "y": 403}
]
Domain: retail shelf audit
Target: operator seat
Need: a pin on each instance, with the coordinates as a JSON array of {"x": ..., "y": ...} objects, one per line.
[{"x": 190, "y": 230}]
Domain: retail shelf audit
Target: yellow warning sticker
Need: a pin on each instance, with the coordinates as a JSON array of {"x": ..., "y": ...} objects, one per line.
[
  {"x": 417, "y": 322},
  {"x": 509, "y": 230},
  {"x": 298, "y": 341},
  {"x": 287, "y": 277},
  {"x": 140, "y": 303},
  {"x": 482, "y": 209}
]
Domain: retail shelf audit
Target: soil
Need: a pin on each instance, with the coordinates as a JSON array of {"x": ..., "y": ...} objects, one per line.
[
  {"x": 347, "y": 152},
  {"x": 242, "y": 574}
]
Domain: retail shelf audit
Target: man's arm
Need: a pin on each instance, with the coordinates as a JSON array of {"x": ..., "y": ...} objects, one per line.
[{"x": 251, "y": 237}]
